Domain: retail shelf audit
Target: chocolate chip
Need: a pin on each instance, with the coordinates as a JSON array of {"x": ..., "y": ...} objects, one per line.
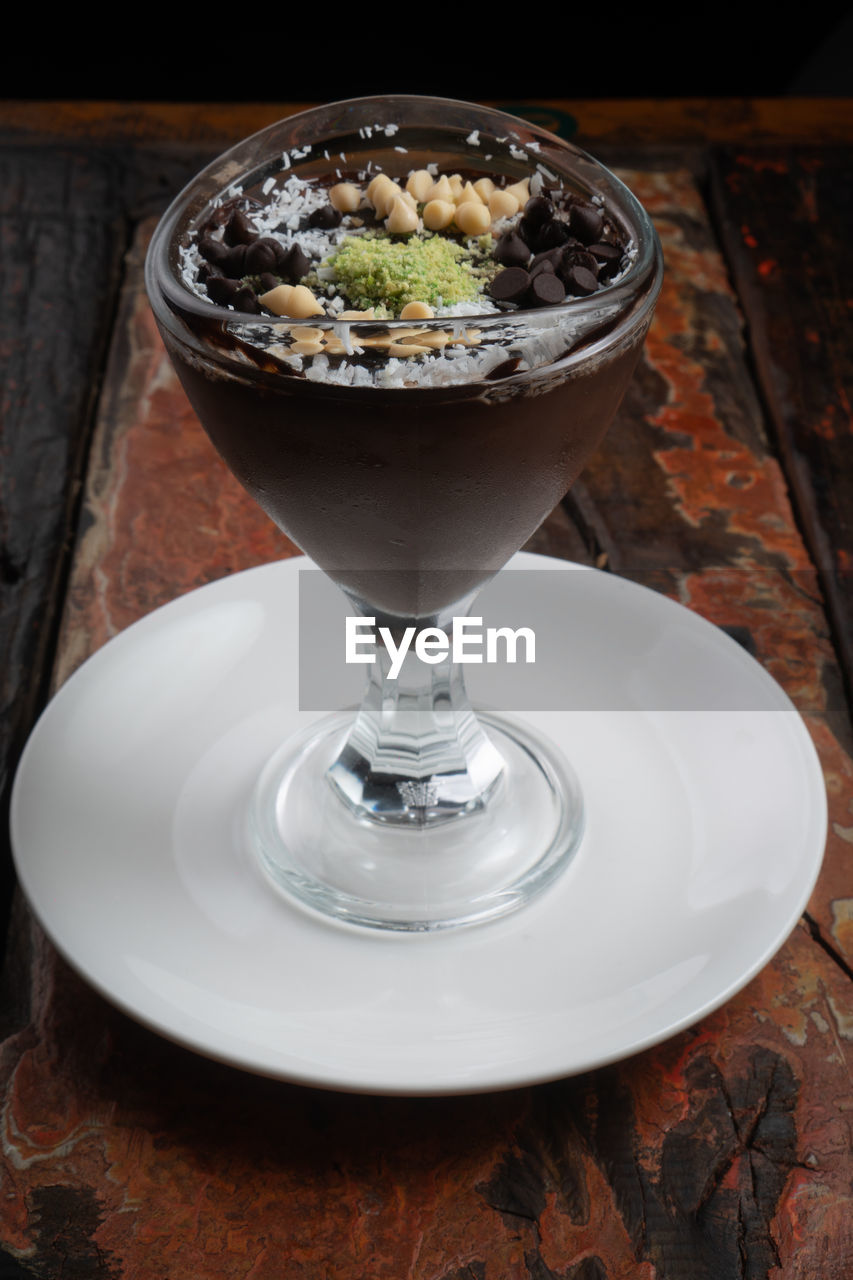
[
  {"x": 245, "y": 300},
  {"x": 573, "y": 257},
  {"x": 552, "y": 235},
  {"x": 554, "y": 256},
  {"x": 222, "y": 290},
  {"x": 326, "y": 217},
  {"x": 296, "y": 264},
  {"x": 546, "y": 290},
  {"x": 511, "y": 251},
  {"x": 606, "y": 252},
  {"x": 538, "y": 211},
  {"x": 212, "y": 250},
  {"x": 234, "y": 262},
  {"x": 268, "y": 281},
  {"x": 608, "y": 257},
  {"x": 543, "y": 236},
  {"x": 543, "y": 263},
  {"x": 585, "y": 222},
  {"x": 262, "y": 255},
  {"x": 238, "y": 229},
  {"x": 509, "y": 285},
  {"x": 580, "y": 282}
]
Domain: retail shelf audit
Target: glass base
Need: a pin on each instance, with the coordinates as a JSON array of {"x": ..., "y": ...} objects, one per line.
[{"x": 482, "y": 863}]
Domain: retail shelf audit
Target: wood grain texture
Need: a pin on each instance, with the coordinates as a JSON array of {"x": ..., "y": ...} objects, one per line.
[
  {"x": 62, "y": 237},
  {"x": 631, "y": 121},
  {"x": 786, "y": 217},
  {"x": 722, "y": 1154}
]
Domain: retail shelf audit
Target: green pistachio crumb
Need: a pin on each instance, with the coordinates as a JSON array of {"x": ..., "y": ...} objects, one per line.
[{"x": 377, "y": 271}]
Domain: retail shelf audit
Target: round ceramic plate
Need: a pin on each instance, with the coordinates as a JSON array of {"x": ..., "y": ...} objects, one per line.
[{"x": 705, "y": 833}]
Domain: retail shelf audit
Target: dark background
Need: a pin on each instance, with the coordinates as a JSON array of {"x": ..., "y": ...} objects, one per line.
[{"x": 324, "y": 52}]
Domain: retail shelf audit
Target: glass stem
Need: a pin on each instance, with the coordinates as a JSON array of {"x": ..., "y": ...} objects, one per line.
[{"x": 416, "y": 754}]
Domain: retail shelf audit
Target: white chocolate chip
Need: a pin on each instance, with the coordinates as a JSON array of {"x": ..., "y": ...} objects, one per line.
[
  {"x": 438, "y": 214},
  {"x": 375, "y": 184},
  {"x": 473, "y": 219},
  {"x": 303, "y": 303},
  {"x": 356, "y": 315},
  {"x": 402, "y": 218},
  {"x": 502, "y": 204},
  {"x": 296, "y": 301},
  {"x": 277, "y": 300},
  {"x": 456, "y": 184},
  {"x": 417, "y": 311},
  {"x": 441, "y": 190},
  {"x": 468, "y": 195},
  {"x": 420, "y": 184},
  {"x": 521, "y": 191},
  {"x": 484, "y": 188},
  {"x": 345, "y": 197},
  {"x": 382, "y": 193}
]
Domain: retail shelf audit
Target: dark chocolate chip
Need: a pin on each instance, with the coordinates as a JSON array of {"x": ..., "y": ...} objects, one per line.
[
  {"x": 296, "y": 264},
  {"x": 608, "y": 257},
  {"x": 511, "y": 251},
  {"x": 546, "y": 290},
  {"x": 326, "y": 217},
  {"x": 245, "y": 300},
  {"x": 538, "y": 211},
  {"x": 212, "y": 250},
  {"x": 552, "y": 235},
  {"x": 543, "y": 263},
  {"x": 606, "y": 252},
  {"x": 234, "y": 262},
  {"x": 554, "y": 256},
  {"x": 586, "y": 222},
  {"x": 262, "y": 255},
  {"x": 238, "y": 229},
  {"x": 509, "y": 285},
  {"x": 221, "y": 290},
  {"x": 573, "y": 257},
  {"x": 268, "y": 281},
  {"x": 580, "y": 282}
]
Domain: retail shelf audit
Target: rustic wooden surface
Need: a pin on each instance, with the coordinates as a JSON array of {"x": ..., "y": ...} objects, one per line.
[{"x": 726, "y": 1151}]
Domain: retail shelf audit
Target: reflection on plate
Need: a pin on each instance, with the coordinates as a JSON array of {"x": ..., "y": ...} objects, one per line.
[{"x": 705, "y": 835}]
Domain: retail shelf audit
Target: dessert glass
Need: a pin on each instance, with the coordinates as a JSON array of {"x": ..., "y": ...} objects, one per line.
[{"x": 410, "y": 491}]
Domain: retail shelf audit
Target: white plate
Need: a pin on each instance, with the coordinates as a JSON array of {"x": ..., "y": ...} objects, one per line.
[{"x": 705, "y": 835}]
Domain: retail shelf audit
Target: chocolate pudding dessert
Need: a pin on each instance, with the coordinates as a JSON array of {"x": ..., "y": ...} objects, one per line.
[
  {"x": 405, "y": 323},
  {"x": 405, "y": 343}
]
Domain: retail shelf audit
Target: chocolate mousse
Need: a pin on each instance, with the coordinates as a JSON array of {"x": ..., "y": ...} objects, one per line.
[{"x": 406, "y": 367}]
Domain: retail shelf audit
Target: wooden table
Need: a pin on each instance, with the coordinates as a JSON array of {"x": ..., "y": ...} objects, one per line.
[{"x": 726, "y": 482}]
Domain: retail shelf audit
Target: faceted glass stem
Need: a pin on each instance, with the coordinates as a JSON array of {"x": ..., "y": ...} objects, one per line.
[{"x": 416, "y": 754}]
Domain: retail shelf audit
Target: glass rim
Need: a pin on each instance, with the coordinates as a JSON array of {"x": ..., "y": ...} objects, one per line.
[{"x": 639, "y": 282}]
